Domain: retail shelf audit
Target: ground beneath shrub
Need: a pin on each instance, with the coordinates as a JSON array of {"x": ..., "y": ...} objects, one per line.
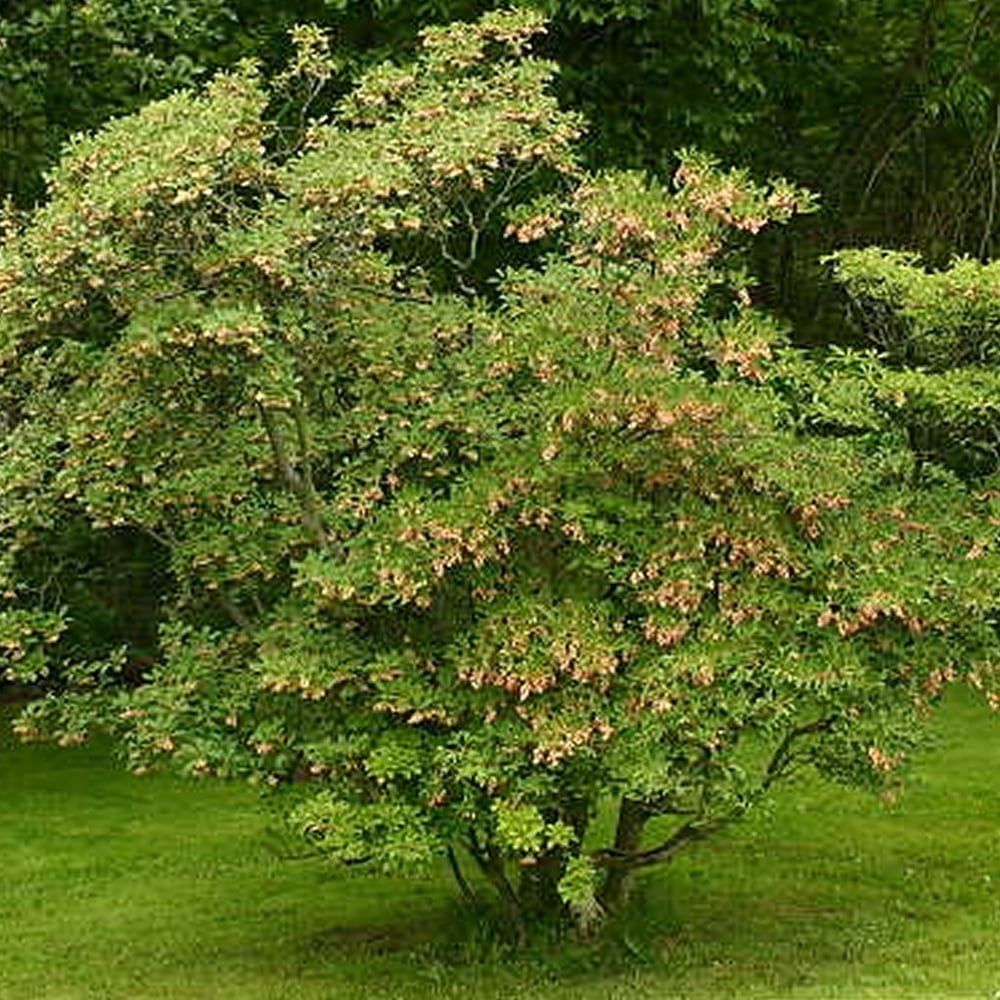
[{"x": 122, "y": 888}]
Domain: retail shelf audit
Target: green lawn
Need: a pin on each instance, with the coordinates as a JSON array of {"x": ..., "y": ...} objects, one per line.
[{"x": 118, "y": 887}]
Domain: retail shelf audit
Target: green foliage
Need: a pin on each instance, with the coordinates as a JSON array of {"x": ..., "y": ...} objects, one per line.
[
  {"x": 68, "y": 66},
  {"x": 24, "y": 634},
  {"x": 459, "y": 552},
  {"x": 948, "y": 324},
  {"x": 937, "y": 320},
  {"x": 887, "y": 108}
]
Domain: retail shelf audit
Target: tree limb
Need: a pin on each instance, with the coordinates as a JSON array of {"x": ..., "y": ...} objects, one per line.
[
  {"x": 460, "y": 879},
  {"x": 299, "y": 486},
  {"x": 782, "y": 755}
]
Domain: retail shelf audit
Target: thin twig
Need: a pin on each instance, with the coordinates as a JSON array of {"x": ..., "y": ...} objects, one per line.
[{"x": 230, "y": 607}]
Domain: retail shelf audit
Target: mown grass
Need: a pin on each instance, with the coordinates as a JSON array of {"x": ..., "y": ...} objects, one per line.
[{"x": 117, "y": 887}]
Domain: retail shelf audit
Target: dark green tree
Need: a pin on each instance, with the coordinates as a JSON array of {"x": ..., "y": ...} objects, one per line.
[
  {"x": 68, "y": 66},
  {"x": 888, "y": 109}
]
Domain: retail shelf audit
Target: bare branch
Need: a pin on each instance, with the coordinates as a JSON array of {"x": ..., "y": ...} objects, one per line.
[
  {"x": 784, "y": 754},
  {"x": 463, "y": 885},
  {"x": 692, "y": 830},
  {"x": 233, "y": 610}
]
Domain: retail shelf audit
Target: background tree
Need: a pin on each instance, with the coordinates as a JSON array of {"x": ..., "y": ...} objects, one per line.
[
  {"x": 454, "y": 555},
  {"x": 67, "y": 66},
  {"x": 888, "y": 110}
]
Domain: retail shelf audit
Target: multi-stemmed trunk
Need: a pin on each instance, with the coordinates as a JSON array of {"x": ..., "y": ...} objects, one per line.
[{"x": 632, "y": 818}]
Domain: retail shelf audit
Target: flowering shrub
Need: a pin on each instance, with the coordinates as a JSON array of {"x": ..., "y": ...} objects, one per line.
[{"x": 459, "y": 553}]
